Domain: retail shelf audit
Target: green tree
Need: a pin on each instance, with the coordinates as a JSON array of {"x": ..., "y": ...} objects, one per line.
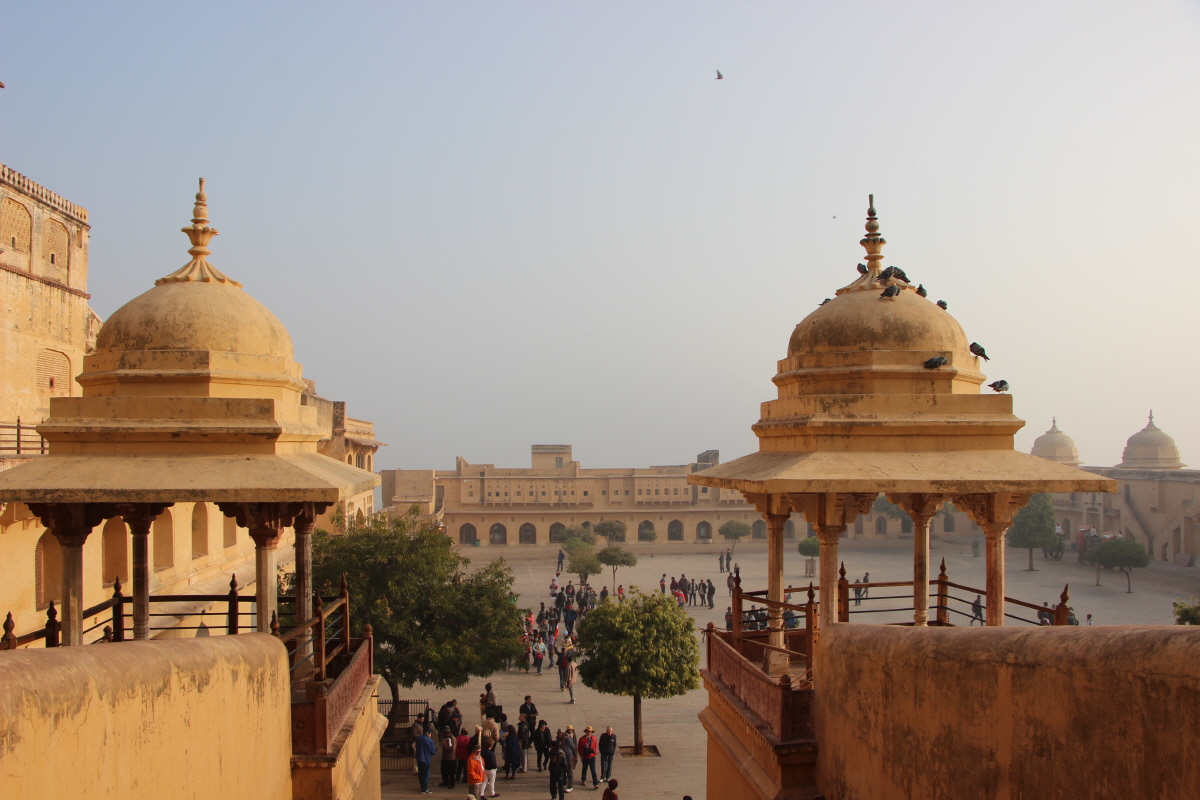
[
  {"x": 1033, "y": 526},
  {"x": 1187, "y": 613},
  {"x": 735, "y": 530},
  {"x": 810, "y": 547},
  {"x": 645, "y": 648},
  {"x": 583, "y": 562},
  {"x": 575, "y": 535},
  {"x": 616, "y": 556},
  {"x": 647, "y": 534},
  {"x": 434, "y": 622},
  {"x": 1119, "y": 553},
  {"x": 613, "y": 531},
  {"x": 889, "y": 509}
]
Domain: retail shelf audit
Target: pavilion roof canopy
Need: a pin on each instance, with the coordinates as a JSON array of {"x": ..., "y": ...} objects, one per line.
[
  {"x": 256, "y": 477},
  {"x": 962, "y": 472}
]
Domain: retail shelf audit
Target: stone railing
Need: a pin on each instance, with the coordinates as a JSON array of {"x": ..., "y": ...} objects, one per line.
[{"x": 783, "y": 708}]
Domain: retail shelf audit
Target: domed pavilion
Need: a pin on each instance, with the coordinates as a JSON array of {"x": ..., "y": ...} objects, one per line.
[
  {"x": 1054, "y": 445},
  {"x": 880, "y": 392},
  {"x": 1150, "y": 448},
  {"x": 192, "y": 395}
]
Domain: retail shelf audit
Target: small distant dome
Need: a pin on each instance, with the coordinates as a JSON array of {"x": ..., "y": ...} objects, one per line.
[
  {"x": 1054, "y": 445},
  {"x": 1150, "y": 448}
]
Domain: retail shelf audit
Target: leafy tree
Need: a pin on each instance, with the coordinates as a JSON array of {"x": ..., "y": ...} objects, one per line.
[
  {"x": 1122, "y": 554},
  {"x": 583, "y": 562},
  {"x": 645, "y": 648},
  {"x": 647, "y": 534},
  {"x": 616, "y": 556},
  {"x": 735, "y": 530},
  {"x": 575, "y": 535},
  {"x": 810, "y": 547},
  {"x": 1033, "y": 526},
  {"x": 889, "y": 509},
  {"x": 613, "y": 530},
  {"x": 433, "y": 622},
  {"x": 1187, "y": 613}
]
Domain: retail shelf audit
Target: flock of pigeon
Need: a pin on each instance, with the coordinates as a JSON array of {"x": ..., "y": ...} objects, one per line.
[{"x": 892, "y": 292}]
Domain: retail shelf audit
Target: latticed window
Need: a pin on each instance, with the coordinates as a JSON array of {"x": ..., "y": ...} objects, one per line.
[
  {"x": 54, "y": 372},
  {"x": 16, "y": 225},
  {"x": 56, "y": 246}
]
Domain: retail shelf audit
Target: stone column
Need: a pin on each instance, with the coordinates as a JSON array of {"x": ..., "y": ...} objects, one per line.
[
  {"x": 139, "y": 517},
  {"x": 71, "y": 523},
  {"x": 303, "y": 526},
  {"x": 778, "y": 636},
  {"x": 994, "y": 534},
  {"x": 829, "y": 536},
  {"x": 921, "y": 508},
  {"x": 266, "y": 522}
]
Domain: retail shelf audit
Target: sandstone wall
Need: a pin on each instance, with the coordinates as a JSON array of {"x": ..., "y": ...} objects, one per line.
[
  {"x": 204, "y": 719},
  {"x": 1064, "y": 713}
]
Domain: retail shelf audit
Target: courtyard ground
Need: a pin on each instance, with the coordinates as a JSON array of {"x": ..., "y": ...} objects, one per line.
[{"x": 672, "y": 724}]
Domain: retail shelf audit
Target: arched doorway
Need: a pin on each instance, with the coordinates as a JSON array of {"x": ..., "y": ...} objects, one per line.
[
  {"x": 528, "y": 534},
  {"x": 47, "y": 565},
  {"x": 199, "y": 530},
  {"x": 587, "y": 526},
  {"x": 881, "y": 525},
  {"x": 556, "y": 532},
  {"x": 498, "y": 534},
  {"x": 115, "y": 547},
  {"x": 466, "y": 534},
  {"x": 758, "y": 530},
  {"x": 675, "y": 531},
  {"x": 703, "y": 530},
  {"x": 906, "y": 524},
  {"x": 948, "y": 523},
  {"x": 646, "y": 531},
  {"x": 163, "y": 534},
  {"x": 789, "y": 530}
]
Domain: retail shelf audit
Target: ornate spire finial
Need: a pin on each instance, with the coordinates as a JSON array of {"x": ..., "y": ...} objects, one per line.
[
  {"x": 872, "y": 242},
  {"x": 199, "y": 234}
]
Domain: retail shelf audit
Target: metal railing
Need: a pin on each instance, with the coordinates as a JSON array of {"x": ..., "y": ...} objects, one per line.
[{"x": 21, "y": 439}]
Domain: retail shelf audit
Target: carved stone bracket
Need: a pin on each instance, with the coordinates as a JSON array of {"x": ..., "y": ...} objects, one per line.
[
  {"x": 72, "y": 522},
  {"x": 921, "y": 507},
  {"x": 992, "y": 510},
  {"x": 831, "y": 508},
  {"x": 140, "y": 516},
  {"x": 265, "y": 521}
]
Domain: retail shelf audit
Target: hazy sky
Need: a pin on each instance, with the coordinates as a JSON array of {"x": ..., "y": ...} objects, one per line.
[{"x": 489, "y": 225}]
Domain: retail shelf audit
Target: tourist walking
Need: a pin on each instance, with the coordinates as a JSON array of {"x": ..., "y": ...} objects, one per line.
[
  {"x": 530, "y": 710},
  {"x": 539, "y": 654},
  {"x": 512, "y": 753},
  {"x": 729, "y": 581},
  {"x": 524, "y": 740},
  {"x": 559, "y": 773},
  {"x": 977, "y": 610},
  {"x": 729, "y": 618},
  {"x": 426, "y": 749},
  {"x": 449, "y": 752},
  {"x": 462, "y": 750},
  {"x": 608, "y": 750},
  {"x": 621, "y": 593},
  {"x": 662, "y": 584},
  {"x": 589, "y": 748},
  {"x": 720, "y": 562},
  {"x": 712, "y": 593},
  {"x": 561, "y": 558},
  {"x": 488, "y": 751},
  {"x": 571, "y": 752},
  {"x": 476, "y": 774},
  {"x": 542, "y": 742},
  {"x": 866, "y": 590},
  {"x": 570, "y": 677}
]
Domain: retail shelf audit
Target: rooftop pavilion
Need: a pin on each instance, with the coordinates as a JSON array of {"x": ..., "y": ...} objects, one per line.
[{"x": 192, "y": 395}]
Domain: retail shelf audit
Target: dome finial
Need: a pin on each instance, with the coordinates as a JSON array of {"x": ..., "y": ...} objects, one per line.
[
  {"x": 872, "y": 242},
  {"x": 199, "y": 234}
]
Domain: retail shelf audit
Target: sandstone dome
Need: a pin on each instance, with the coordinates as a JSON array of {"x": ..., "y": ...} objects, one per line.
[
  {"x": 1054, "y": 445},
  {"x": 1150, "y": 448},
  {"x": 195, "y": 315},
  {"x": 196, "y": 308},
  {"x": 859, "y": 320}
]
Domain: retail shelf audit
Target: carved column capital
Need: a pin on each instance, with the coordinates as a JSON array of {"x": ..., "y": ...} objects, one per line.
[
  {"x": 992, "y": 510},
  {"x": 921, "y": 507},
  {"x": 140, "y": 516},
  {"x": 72, "y": 522}
]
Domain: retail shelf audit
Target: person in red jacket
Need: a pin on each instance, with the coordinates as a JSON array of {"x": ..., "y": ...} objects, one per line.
[
  {"x": 588, "y": 748},
  {"x": 611, "y": 792},
  {"x": 476, "y": 776}
]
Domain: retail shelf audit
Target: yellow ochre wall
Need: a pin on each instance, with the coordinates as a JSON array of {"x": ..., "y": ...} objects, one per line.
[
  {"x": 951, "y": 713},
  {"x": 199, "y": 718}
]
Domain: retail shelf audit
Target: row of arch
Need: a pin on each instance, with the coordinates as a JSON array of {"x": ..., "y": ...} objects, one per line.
[
  {"x": 16, "y": 234},
  {"x": 361, "y": 460},
  {"x": 497, "y": 534},
  {"x": 114, "y": 546}
]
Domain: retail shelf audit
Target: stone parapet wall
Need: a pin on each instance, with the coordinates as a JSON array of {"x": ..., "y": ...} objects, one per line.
[
  {"x": 207, "y": 719},
  {"x": 1068, "y": 713}
]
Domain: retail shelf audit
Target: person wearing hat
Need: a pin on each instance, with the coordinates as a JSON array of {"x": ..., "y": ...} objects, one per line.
[
  {"x": 449, "y": 750},
  {"x": 588, "y": 748},
  {"x": 570, "y": 751}
]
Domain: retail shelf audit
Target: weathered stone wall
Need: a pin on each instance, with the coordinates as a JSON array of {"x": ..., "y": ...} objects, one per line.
[
  {"x": 201, "y": 718},
  {"x": 952, "y": 713}
]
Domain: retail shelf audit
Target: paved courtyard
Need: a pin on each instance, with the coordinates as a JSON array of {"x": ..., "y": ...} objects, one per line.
[{"x": 672, "y": 724}]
